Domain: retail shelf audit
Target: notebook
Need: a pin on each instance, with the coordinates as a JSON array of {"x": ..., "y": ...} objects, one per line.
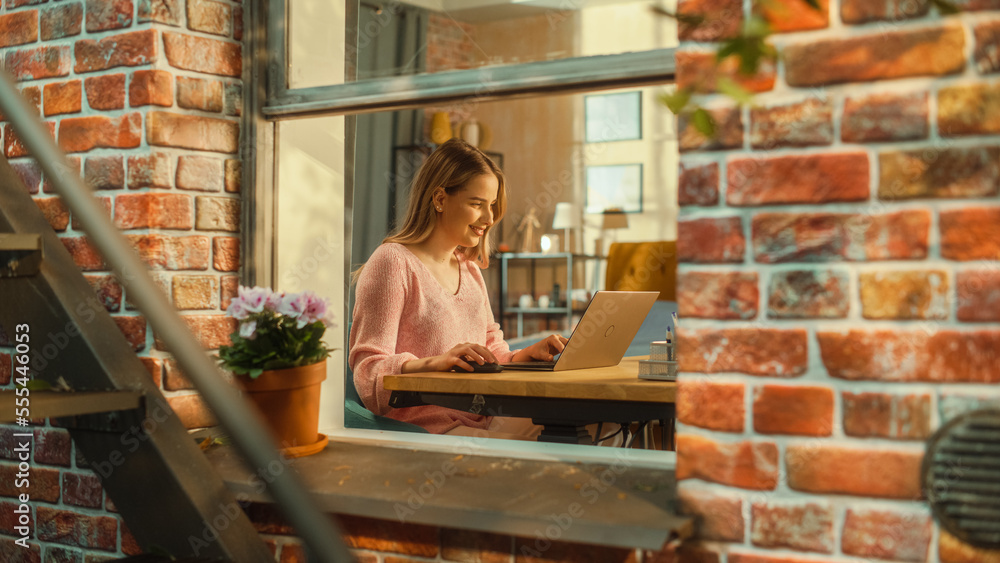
[{"x": 602, "y": 336}]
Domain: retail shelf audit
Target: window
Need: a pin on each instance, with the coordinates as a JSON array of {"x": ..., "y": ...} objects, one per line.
[{"x": 332, "y": 133}]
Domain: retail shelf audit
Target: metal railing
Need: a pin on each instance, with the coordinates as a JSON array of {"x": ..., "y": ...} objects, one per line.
[{"x": 251, "y": 438}]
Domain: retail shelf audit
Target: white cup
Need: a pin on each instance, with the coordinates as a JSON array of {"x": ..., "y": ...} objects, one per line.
[
  {"x": 543, "y": 302},
  {"x": 525, "y": 301}
]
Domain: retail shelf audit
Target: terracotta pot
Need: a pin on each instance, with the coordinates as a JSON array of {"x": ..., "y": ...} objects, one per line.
[{"x": 289, "y": 401}]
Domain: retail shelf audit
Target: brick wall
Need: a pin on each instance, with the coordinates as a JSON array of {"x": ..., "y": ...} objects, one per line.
[
  {"x": 839, "y": 278},
  {"x": 145, "y": 97}
]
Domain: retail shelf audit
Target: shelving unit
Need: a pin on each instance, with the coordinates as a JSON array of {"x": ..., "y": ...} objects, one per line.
[{"x": 535, "y": 260}]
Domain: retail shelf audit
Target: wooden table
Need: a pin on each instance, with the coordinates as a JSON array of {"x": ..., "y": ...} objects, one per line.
[{"x": 562, "y": 402}]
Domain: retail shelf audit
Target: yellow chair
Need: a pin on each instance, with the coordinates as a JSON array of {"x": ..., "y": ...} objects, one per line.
[{"x": 643, "y": 266}]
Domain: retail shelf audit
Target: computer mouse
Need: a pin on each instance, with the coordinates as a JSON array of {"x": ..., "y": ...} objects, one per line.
[{"x": 476, "y": 368}]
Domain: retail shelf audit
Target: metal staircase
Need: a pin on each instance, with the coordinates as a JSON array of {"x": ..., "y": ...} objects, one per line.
[{"x": 160, "y": 482}]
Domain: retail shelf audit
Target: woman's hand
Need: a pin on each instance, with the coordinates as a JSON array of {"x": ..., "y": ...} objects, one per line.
[
  {"x": 463, "y": 356},
  {"x": 543, "y": 350}
]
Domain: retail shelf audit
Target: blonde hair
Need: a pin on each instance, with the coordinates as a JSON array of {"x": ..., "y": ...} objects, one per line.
[{"x": 450, "y": 167}]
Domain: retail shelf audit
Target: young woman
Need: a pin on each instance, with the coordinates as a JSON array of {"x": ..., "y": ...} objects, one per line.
[{"x": 422, "y": 304}]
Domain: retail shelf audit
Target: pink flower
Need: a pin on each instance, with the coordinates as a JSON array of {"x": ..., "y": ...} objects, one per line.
[
  {"x": 253, "y": 298},
  {"x": 248, "y": 329}
]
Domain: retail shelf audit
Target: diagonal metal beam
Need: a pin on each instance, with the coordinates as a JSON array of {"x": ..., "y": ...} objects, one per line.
[{"x": 101, "y": 355}]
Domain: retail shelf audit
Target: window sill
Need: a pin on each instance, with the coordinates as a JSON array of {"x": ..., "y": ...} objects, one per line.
[{"x": 618, "y": 504}]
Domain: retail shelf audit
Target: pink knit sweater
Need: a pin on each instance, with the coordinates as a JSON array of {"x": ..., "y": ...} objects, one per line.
[{"x": 402, "y": 313}]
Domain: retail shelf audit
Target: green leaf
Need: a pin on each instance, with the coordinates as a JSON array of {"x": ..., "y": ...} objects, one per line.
[
  {"x": 946, "y": 7},
  {"x": 733, "y": 89},
  {"x": 703, "y": 122},
  {"x": 37, "y": 385}
]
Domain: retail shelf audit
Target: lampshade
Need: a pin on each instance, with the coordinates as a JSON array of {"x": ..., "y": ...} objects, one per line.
[
  {"x": 615, "y": 220},
  {"x": 566, "y": 216}
]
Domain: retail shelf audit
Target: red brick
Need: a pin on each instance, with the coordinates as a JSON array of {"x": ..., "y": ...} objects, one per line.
[
  {"x": 954, "y": 550},
  {"x": 209, "y": 17},
  {"x": 192, "y": 132},
  {"x": 755, "y": 351},
  {"x": 174, "y": 379},
  {"x": 946, "y": 173},
  {"x": 232, "y": 103},
  {"x": 468, "y": 545},
  {"x": 18, "y": 28},
  {"x": 719, "y": 517},
  {"x": 881, "y": 415},
  {"x": 80, "y": 134},
  {"x": 529, "y": 550},
  {"x": 721, "y": 19},
  {"x": 55, "y": 212},
  {"x": 904, "y": 295},
  {"x": 803, "y": 526},
  {"x": 970, "y": 234},
  {"x": 701, "y": 71},
  {"x": 108, "y": 290},
  {"x": 978, "y": 295},
  {"x": 155, "y": 368},
  {"x": 972, "y": 109},
  {"x": 12, "y": 552},
  {"x": 977, "y": 5},
  {"x": 880, "y": 473},
  {"x": 42, "y": 484},
  {"x": 821, "y": 237},
  {"x": 134, "y": 331},
  {"x": 986, "y": 55},
  {"x": 153, "y": 210},
  {"x": 228, "y": 290},
  {"x": 103, "y": 15},
  {"x": 52, "y": 446},
  {"x": 885, "y": 117},
  {"x": 238, "y": 23},
  {"x": 801, "y": 411},
  {"x": 134, "y": 48},
  {"x": 32, "y": 95},
  {"x": 160, "y": 11},
  {"x": 712, "y": 405},
  {"x": 718, "y": 295},
  {"x": 932, "y": 51},
  {"x": 85, "y": 256},
  {"x": 211, "y": 331},
  {"x": 63, "y": 97},
  {"x": 820, "y": 178},
  {"x": 217, "y": 213},
  {"x": 226, "y": 254},
  {"x": 202, "y": 173},
  {"x": 164, "y": 252},
  {"x": 150, "y": 171},
  {"x": 698, "y": 184},
  {"x": 795, "y": 15},
  {"x": 805, "y": 294},
  {"x": 7, "y": 367},
  {"x": 885, "y": 534},
  {"x": 30, "y": 174},
  {"x": 747, "y": 465},
  {"x": 62, "y": 20},
  {"x": 151, "y": 87},
  {"x": 104, "y": 172},
  {"x": 70, "y": 528},
  {"x": 798, "y": 124},
  {"x": 196, "y": 93},
  {"x": 82, "y": 490},
  {"x": 390, "y": 536},
  {"x": 728, "y": 131},
  {"x": 710, "y": 240},
  {"x": 37, "y": 63},
  {"x": 12, "y": 145},
  {"x": 195, "y": 292},
  {"x": 864, "y": 11},
  {"x": 944, "y": 356},
  {"x": 106, "y": 92},
  {"x": 200, "y": 54},
  {"x": 233, "y": 175}
]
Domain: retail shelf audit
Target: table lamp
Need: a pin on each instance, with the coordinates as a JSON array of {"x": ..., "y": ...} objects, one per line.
[
  {"x": 613, "y": 219},
  {"x": 566, "y": 217}
]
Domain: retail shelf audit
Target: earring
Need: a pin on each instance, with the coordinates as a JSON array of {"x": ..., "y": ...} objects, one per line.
[{"x": 439, "y": 210}]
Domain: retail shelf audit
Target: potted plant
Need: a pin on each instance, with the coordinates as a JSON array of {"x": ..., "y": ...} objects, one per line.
[{"x": 278, "y": 357}]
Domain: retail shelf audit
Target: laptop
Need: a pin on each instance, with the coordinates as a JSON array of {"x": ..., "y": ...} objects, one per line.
[{"x": 602, "y": 336}]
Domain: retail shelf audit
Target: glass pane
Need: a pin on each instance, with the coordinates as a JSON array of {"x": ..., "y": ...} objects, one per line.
[{"x": 429, "y": 36}]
